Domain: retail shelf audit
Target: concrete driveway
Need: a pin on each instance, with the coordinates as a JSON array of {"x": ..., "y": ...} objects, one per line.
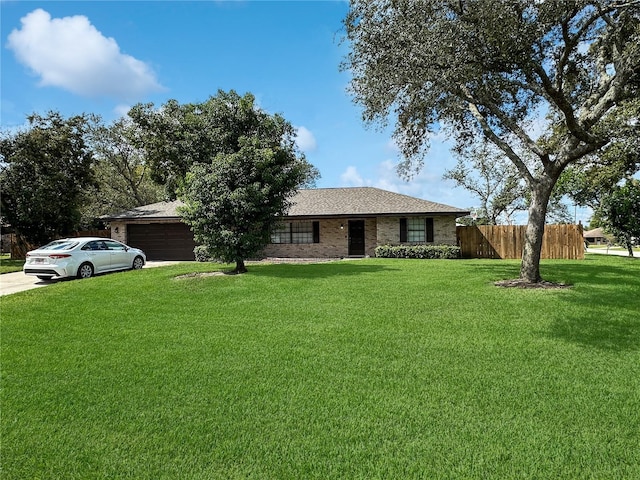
[{"x": 19, "y": 282}]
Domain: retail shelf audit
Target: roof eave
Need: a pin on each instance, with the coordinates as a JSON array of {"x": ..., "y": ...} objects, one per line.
[
  {"x": 375, "y": 215},
  {"x": 129, "y": 219}
]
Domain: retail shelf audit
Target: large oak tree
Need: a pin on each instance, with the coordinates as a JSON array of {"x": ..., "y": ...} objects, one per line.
[
  {"x": 491, "y": 68},
  {"x": 233, "y": 165}
]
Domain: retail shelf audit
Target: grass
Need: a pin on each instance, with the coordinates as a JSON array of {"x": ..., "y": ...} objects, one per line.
[
  {"x": 7, "y": 265},
  {"x": 361, "y": 370}
]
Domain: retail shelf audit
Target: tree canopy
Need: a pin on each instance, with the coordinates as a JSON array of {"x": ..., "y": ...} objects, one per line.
[
  {"x": 487, "y": 173},
  {"x": 620, "y": 213},
  {"x": 503, "y": 70},
  {"x": 492, "y": 179},
  {"x": 233, "y": 165},
  {"x": 46, "y": 171},
  {"x": 122, "y": 174},
  {"x": 587, "y": 181}
]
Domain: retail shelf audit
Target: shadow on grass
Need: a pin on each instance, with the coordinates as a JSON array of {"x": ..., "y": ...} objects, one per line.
[
  {"x": 602, "y": 333},
  {"x": 608, "y": 291},
  {"x": 494, "y": 270},
  {"x": 601, "y": 310},
  {"x": 316, "y": 270}
]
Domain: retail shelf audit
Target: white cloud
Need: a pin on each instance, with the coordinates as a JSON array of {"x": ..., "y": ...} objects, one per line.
[
  {"x": 305, "y": 139},
  {"x": 351, "y": 178},
  {"x": 72, "y": 54},
  {"x": 122, "y": 110},
  {"x": 392, "y": 147},
  {"x": 428, "y": 184}
]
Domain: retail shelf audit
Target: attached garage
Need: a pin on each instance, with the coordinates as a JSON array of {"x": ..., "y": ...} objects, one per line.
[
  {"x": 157, "y": 229},
  {"x": 162, "y": 241}
]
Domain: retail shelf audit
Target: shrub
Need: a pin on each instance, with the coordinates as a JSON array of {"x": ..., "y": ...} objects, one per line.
[
  {"x": 418, "y": 251},
  {"x": 202, "y": 254}
]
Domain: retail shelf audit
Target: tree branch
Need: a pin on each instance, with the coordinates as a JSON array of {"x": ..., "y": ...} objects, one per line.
[{"x": 501, "y": 144}]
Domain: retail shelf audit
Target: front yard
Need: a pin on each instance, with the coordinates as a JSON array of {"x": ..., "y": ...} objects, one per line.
[
  {"x": 7, "y": 265},
  {"x": 354, "y": 369}
]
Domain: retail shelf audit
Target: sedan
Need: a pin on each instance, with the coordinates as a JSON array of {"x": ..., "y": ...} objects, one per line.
[{"x": 82, "y": 257}]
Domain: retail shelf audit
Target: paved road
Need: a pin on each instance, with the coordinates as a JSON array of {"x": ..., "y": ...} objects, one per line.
[
  {"x": 19, "y": 282},
  {"x": 620, "y": 253}
]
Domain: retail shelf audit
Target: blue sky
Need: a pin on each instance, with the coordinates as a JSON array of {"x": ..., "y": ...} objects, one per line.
[{"x": 104, "y": 56}]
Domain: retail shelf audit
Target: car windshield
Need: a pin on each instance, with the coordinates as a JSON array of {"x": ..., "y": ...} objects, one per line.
[{"x": 60, "y": 245}]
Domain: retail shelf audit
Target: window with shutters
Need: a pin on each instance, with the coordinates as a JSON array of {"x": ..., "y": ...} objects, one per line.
[
  {"x": 296, "y": 232},
  {"x": 416, "y": 230}
]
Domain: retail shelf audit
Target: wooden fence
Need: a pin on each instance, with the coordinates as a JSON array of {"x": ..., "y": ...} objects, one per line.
[
  {"x": 20, "y": 247},
  {"x": 507, "y": 241}
]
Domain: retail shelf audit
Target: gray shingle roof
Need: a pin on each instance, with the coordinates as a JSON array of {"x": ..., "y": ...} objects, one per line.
[
  {"x": 325, "y": 202},
  {"x": 364, "y": 201},
  {"x": 160, "y": 210},
  {"x": 595, "y": 233}
]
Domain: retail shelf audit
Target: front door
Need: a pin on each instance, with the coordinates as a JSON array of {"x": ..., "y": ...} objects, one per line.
[{"x": 356, "y": 237}]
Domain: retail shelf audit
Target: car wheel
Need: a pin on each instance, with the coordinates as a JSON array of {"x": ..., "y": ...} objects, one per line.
[
  {"x": 138, "y": 262},
  {"x": 44, "y": 278},
  {"x": 85, "y": 271}
]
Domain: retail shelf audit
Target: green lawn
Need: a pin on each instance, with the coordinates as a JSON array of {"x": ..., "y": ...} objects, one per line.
[
  {"x": 368, "y": 369},
  {"x": 7, "y": 265}
]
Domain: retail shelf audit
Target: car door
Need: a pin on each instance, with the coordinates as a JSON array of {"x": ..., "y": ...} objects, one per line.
[
  {"x": 119, "y": 255},
  {"x": 98, "y": 254}
]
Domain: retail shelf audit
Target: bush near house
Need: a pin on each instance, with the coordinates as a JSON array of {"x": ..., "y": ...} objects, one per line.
[
  {"x": 202, "y": 254},
  {"x": 444, "y": 252}
]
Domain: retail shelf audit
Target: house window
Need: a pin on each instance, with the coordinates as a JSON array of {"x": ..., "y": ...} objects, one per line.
[
  {"x": 281, "y": 233},
  {"x": 296, "y": 232},
  {"x": 416, "y": 230},
  {"x": 302, "y": 232}
]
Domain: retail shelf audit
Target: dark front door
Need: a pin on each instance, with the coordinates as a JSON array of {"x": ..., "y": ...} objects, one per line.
[{"x": 356, "y": 237}]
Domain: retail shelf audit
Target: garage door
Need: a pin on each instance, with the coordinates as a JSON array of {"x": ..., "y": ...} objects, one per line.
[{"x": 162, "y": 241}]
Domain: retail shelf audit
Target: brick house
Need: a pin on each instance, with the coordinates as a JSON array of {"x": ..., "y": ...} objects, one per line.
[{"x": 322, "y": 223}]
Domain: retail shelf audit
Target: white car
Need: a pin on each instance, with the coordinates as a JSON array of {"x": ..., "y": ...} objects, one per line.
[{"x": 82, "y": 257}]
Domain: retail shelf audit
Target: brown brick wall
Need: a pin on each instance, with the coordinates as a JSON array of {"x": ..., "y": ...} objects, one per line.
[
  {"x": 119, "y": 231},
  {"x": 388, "y": 230},
  {"x": 444, "y": 231},
  {"x": 371, "y": 236}
]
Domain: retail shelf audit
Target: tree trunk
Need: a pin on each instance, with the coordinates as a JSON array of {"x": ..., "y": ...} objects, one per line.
[
  {"x": 240, "y": 268},
  {"x": 530, "y": 267},
  {"x": 629, "y": 244}
]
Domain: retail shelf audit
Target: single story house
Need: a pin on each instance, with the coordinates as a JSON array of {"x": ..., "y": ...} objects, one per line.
[
  {"x": 597, "y": 237},
  {"x": 322, "y": 223}
]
